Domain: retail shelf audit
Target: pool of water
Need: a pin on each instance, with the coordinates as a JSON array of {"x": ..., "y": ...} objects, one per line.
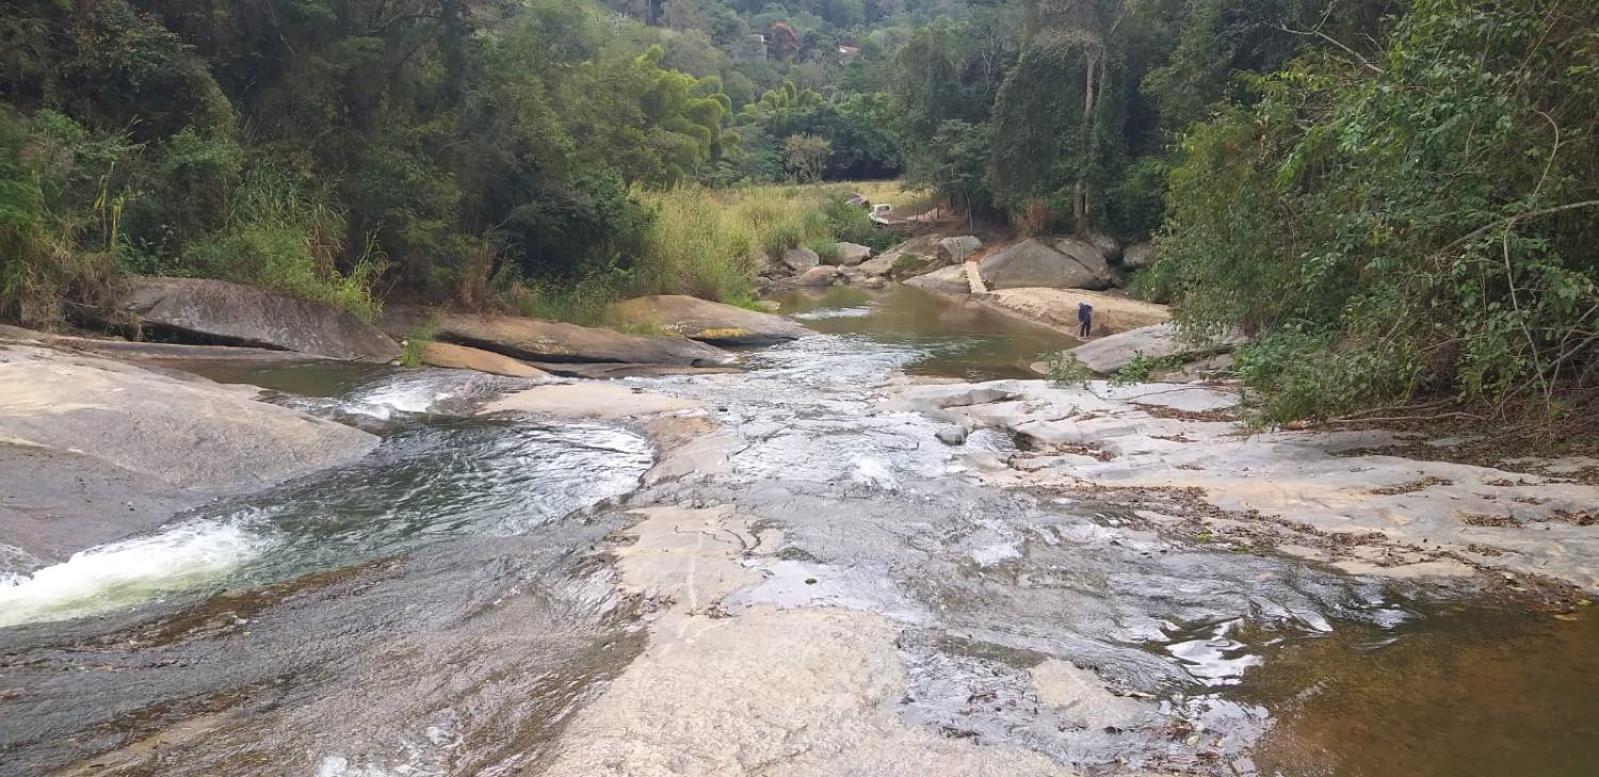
[
  {"x": 953, "y": 337},
  {"x": 1467, "y": 691}
]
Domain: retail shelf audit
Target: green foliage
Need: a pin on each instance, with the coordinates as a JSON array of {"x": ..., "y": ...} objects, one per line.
[
  {"x": 827, "y": 251},
  {"x": 955, "y": 164},
  {"x": 1062, "y": 368},
  {"x": 851, "y": 224},
  {"x": 1420, "y": 222},
  {"x": 1144, "y": 369},
  {"x": 806, "y": 157},
  {"x": 698, "y": 245},
  {"x": 58, "y": 222},
  {"x": 582, "y": 301},
  {"x": 416, "y": 343}
]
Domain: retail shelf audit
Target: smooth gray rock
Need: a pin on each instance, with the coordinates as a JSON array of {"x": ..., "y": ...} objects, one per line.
[
  {"x": 1108, "y": 246},
  {"x": 951, "y": 435},
  {"x": 948, "y": 280},
  {"x": 93, "y": 450},
  {"x": 551, "y": 341},
  {"x": 1067, "y": 264},
  {"x": 912, "y": 257},
  {"x": 1108, "y": 354},
  {"x": 707, "y": 321},
  {"x": 233, "y": 314},
  {"x": 852, "y": 254},
  {"x": 824, "y": 275},
  {"x": 955, "y": 250},
  {"x": 798, "y": 260}
]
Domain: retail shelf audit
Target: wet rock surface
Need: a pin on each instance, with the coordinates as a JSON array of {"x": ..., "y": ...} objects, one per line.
[
  {"x": 549, "y": 341},
  {"x": 1317, "y": 495},
  {"x": 97, "y": 449},
  {"x": 803, "y": 578}
]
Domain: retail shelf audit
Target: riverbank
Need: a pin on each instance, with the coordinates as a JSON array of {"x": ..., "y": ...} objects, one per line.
[{"x": 859, "y": 552}]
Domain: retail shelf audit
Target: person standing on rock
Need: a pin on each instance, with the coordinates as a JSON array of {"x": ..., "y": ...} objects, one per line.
[{"x": 1085, "y": 319}]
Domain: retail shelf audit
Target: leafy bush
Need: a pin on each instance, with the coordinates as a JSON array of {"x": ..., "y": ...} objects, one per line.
[
  {"x": 827, "y": 251},
  {"x": 57, "y": 251},
  {"x": 1424, "y": 222},
  {"x": 1063, "y": 368},
  {"x": 1143, "y": 369}
]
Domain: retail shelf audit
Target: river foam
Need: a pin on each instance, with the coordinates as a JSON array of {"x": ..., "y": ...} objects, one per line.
[{"x": 121, "y": 573}]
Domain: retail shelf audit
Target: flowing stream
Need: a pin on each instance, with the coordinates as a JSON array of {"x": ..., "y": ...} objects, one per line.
[{"x": 434, "y": 609}]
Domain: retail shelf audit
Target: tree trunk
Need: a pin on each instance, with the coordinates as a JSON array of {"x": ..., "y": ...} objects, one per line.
[{"x": 1080, "y": 190}]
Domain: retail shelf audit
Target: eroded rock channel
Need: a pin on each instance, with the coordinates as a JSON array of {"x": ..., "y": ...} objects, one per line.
[{"x": 797, "y": 569}]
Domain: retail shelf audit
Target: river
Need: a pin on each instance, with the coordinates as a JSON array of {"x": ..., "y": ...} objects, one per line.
[{"x": 436, "y": 609}]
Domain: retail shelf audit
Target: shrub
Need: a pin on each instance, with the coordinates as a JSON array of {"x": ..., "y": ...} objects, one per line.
[
  {"x": 1425, "y": 224},
  {"x": 827, "y": 251}
]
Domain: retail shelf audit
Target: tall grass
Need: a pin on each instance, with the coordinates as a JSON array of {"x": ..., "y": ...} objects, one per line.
[{"x": 711, "y": 243}]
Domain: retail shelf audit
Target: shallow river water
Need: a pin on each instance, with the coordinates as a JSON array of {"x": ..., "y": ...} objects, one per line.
[{"x": 435, "y": 609}]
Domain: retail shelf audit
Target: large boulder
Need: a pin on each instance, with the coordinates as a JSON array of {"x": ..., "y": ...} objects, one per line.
[
  {"x": 709, "y": 322},
  {"x": 798, "y": 260},
  {"x": 232, "y": 314},
  {"x": 1157, "y": 341},
  {"x": 955, "y": 250},
  {"x": 1108, "y": 246},
  {"x": 461, "y": 357},
  {"x": 93, "y": 450},
  {"x": 552, "y": 341},
  {"x": 852, "y": 254},
  {"x": 912, "y": 257},
  {"x": 1058, "y": 308},
  {"x": 1063, "y": 264},
  {"x": 824, "y": 275},
  {"x": 949, "y": 280}
]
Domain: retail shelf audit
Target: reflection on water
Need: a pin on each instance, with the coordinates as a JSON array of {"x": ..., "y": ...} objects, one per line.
[
  {"x": 955, "y": 337},
  {"x": 1466, "y": 692}
]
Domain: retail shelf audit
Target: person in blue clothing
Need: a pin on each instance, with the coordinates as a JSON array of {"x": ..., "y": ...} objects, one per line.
[{"x": 1085, "y": 319}]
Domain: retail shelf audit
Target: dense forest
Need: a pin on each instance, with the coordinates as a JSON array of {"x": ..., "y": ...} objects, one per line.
[{"x": 1392, "y": 197}]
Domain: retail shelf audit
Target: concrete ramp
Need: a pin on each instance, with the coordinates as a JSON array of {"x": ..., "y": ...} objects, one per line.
[{"x": 975, "y": 278}]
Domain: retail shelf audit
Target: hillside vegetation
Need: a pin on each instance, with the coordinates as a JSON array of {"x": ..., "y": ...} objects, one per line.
[{"x": 1394, "y": 197}]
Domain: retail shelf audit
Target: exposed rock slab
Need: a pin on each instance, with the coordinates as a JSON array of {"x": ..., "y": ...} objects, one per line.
[
  {"x": 1156, "y": 341},
  {"x": 58, "y": 502},
  {"x": 912, "y": 257},
  {"x": 232, "y": 314},
  {"x": 805, "y": 691},
  {"x": 709, "y": 322},
  {"x": 461, "y": 357},
  {"x": 852, "y": 254},
  {"x": 96, "y": 449},
  {"x": 798, "y": 260},
  {"x": 958, "y": 249},
  {"x": 1113, "y": 313},
  {"x": 824, "y": 275},
  {"x": 589, "y": 400},
  {"x": 552, "y": 341},
  {"x": 1061, "y": 264},
  {"x": 1423, "y": 514},
  {"x": 949, "y": 280}
]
